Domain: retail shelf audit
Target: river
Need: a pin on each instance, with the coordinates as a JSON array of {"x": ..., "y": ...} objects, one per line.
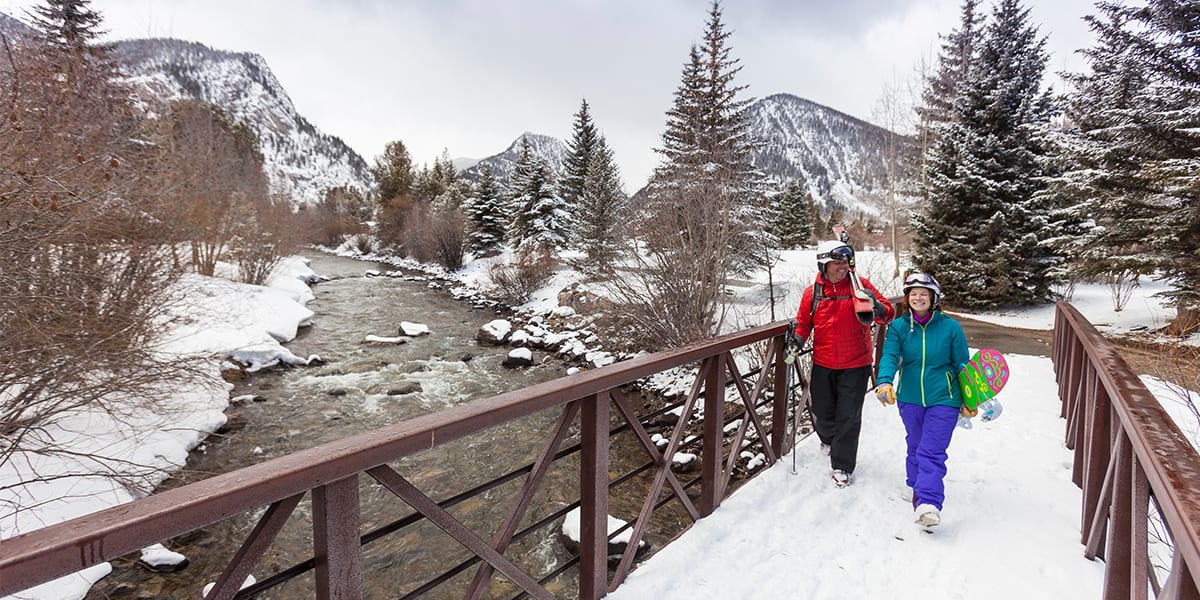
[{"x": 298, "y": 408}]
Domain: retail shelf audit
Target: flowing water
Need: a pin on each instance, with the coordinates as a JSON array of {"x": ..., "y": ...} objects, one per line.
[{"x": 303, "y": 407}]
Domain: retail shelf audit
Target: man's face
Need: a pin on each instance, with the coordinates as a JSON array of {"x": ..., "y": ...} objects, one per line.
[{"x": 836, "y": 270}]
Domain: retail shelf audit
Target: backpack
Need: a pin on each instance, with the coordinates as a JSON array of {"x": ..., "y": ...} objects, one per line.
[{"x": 819, "y": 295}]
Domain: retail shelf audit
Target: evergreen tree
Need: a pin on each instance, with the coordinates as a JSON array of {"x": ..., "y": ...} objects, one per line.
[
  {"x": 793, "y": 216},
  {"x": 486, "y": 210},
  {"x": 393, "y": 172},
  {"x": 520, "y": 172},
  {"x": 70, "y": 29},
  {"x": 680, "y": 140},
  {"x": 707, "y": 188},
  {"x": 580, "y": 149},
  {"x": 942, "y": 88},
  {"x": 1096, "y": 163},
  {"x": 540, "y": 219},
  {"x": 983, "y": 229},
  {"x": 1160, "y": 183},
  {"x": 602, "y": 210},
  {"x": 703, "y": 217}
]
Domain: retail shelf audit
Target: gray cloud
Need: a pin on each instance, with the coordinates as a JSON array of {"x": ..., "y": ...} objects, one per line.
[{"x": 472, "y": 75}]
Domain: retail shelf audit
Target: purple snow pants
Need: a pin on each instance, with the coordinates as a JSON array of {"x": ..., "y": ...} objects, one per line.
[{"x": 929, "y": 431}]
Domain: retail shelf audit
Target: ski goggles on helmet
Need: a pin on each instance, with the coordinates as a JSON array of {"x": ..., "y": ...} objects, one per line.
[
  {"x": 839, "y": 253},
  {"x": 919, "y": 279}
]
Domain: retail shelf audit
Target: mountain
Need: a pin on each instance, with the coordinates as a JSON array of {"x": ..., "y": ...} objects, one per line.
[
  {"x": 462, "y": 163},
  {"x": 550, "y": 148},
  {"x": 840, "y": 157},
  {"x": 301, "y": 162}
]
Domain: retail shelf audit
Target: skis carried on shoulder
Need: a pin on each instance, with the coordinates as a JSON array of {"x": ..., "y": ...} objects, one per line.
[{"x": 864, "y": 309}]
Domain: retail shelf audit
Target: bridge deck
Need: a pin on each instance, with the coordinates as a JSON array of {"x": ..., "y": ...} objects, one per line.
[{"x": 1010, "y": 523}]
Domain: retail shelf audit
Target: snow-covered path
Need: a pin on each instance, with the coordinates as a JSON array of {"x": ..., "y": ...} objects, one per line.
[{"x": 1010, "y": 526}]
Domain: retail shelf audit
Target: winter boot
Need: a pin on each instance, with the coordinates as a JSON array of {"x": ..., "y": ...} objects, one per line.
[
  {"x": 841, "y": 478},
  {"x": 928, "y": 515}
]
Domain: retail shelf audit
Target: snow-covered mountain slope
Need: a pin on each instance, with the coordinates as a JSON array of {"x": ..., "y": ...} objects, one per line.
[
  {"x": 552, "y": 149},
  {"x": 840, "y": 157},
  {"x": 301, "y": 161}
]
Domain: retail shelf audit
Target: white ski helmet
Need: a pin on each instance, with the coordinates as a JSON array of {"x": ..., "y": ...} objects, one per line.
[
  {"x": 918, "y": 279},
  {"x": 831, "y": 250}
]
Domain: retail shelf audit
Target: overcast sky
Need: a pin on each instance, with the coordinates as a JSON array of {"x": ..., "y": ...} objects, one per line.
[{"x": 471, "y": 75}]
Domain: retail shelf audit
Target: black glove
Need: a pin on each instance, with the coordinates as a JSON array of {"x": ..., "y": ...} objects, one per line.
[
  {"x": 793, "y": 340},
  {"x": 878, "y": 307}
]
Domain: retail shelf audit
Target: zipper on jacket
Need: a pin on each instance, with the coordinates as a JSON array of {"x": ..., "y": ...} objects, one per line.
[{"x": 923, "y": 366}]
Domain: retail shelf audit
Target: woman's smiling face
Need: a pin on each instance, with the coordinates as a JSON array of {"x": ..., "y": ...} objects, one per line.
[{"x": 920, "y": 300}]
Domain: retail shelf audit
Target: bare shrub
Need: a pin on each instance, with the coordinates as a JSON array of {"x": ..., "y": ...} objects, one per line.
[
  {"x": 436, "y": 235},
  {"x": 264, "y": 238},
  {"x": 665, "y": 300},
  {"x": 516, "y": 282},
  {"x": 1065, "y": 288},
  {"x": 694, "y": 237},
  {"x": 84, "y": 273},
  {"x": 1120, "y": 285},
  {"x": 391, "y": 228},
  {"x": 326, "y": 223},
  {"x": 212, "y": 178},
  {"x": 449, "y": 233},
  {"x": 363, "y": 243}
]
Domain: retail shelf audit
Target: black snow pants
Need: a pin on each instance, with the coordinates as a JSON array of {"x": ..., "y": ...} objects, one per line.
[{"x": 837, "y": 403}]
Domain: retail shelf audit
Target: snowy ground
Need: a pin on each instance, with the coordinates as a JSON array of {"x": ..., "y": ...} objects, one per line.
[
  {"x": 1009, "y": 498},
  {"x": 217, "y": 320},
  {"x": 1010, "y": 525}
]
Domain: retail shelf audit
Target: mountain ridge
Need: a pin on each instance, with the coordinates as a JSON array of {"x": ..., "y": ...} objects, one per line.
[
  {"x": 840, "y": 157},
  {"x": 300, "y": 160}
]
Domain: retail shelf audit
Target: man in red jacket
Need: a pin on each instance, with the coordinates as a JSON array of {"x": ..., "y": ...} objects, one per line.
[{"x": 842, "y": 354}]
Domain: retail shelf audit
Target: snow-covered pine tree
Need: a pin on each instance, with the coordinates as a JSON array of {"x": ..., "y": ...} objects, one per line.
[
  {"x": 708, "y": 136},
  {"x": 1165, "y": 131},
  {"x": 602, "y": 211},
  {"x": 580, "y": 150},
  {"x": 793, "y": 216},
  {"x": 982, "y": 230},
  {"x": 540, "y": 219},
  {"x": 702, "y": 216},
  {"x": 1099, "y": 229},
  {"x": 486, "y": 210},
  {"x": 953, "y": 66}
]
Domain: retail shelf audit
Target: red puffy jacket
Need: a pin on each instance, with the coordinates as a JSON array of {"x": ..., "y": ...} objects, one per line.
[{"x": 840, "y": 341}]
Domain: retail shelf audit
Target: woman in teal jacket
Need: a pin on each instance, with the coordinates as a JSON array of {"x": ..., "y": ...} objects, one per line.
[{"x": 923, "y": 353}]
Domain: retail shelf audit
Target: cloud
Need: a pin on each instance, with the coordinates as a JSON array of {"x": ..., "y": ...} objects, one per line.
[{"x": 472, "y": 75}]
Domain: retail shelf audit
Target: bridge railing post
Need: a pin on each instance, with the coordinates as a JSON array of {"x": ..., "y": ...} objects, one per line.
[
  {"x": 714, "y": 411},
  {"x": 593, "y": 498},
  {"x": 336, "y": 544}
]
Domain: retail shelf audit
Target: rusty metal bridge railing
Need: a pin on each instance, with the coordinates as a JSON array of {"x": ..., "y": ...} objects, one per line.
[
  {"x": 329, "y": 475},
  {"x": 1130, "y": 458}
]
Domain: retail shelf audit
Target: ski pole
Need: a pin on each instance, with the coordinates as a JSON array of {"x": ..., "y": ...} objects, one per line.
[{"x": 789, "y": 363}]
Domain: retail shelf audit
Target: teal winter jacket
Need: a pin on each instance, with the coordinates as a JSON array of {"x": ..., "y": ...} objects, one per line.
[{"x": 922, "y": 361}]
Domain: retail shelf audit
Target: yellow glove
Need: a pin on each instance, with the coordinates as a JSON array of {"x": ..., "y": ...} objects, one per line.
[
  {"x": 968, "y": 412},
  {"x": 886, "y": 394}
]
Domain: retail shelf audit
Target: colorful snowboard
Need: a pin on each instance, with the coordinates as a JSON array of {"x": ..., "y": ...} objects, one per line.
[{"x": 983, "y": 377}]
